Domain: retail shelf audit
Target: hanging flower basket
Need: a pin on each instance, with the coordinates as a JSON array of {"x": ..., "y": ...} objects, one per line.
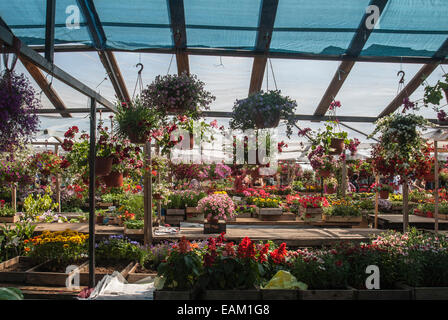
[
  {"x": 384, "y": 195},
  {"x": 324, "y": 173},
  {"x": 337, "y": 144},
  {"x": 103, "y": 166},
  {"x": 133, "y": 137},
  {"x": 265, "y": 122},
  {"x": 113, "y": 180}
]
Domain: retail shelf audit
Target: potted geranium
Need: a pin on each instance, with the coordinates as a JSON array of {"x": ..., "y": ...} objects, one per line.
[
  {"x": 136, "y": 120},
  {"x": 48, "y": 163},
  {"x": 180, "y": 94},
  {"x": 263, "y": 110},
  {"x": 216, "y": 207},
  {"x": 311, "y": 207},
  {"x": 19, "y": 104}
]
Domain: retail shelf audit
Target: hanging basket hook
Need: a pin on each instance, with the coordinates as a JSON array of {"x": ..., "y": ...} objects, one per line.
[
  {"x": 402, "y": 76},
  {"x": 141, "y": 67}
]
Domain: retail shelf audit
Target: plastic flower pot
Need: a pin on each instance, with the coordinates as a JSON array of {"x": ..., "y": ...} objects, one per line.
[
  {"x": 114, "y": 179},
  {"x": 384, "y": 194},
  {"x": 103, "y": 166},
  {"x": 337, "y": 144}
]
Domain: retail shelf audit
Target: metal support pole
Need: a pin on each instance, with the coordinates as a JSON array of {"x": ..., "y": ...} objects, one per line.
[
  {"x": 405, "y": 204},
  {"x": 377, "y": 180},
  {"x": 92, "y": 156},
  {"x": 49, "y": 30},
  {"x": 344, "y": 177},
  {"x": 159, "y": 204},
  {"x": 58, "y": 182},
  {"x": 148, "y": 196},
  {"x": 436, "y": 188},
  {"x": 14, "y": 196}
]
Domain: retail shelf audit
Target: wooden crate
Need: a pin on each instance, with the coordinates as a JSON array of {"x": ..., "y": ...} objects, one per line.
[
  {"x": 311, "y": 214},
  {"x": 13, "y": 219},
  {"x": 427, "y": 293},
  {"x": 327, "y": 218},
  {"x": 175, "y": 212},
  {"x": 232, "y": 295},
  {"x": 382, "y": 294},
  {"x": 84, "y": 274},
  {"x": 15, "y": 276},
  {"x": 174, "y": 295},
  {"x": 43, "y": 278},
  {"x": 279, "y": 294},
  {"x": 134, "y": 276},
  {"x": 336, "y": 294},
  {"x": 269, "y": 214}
]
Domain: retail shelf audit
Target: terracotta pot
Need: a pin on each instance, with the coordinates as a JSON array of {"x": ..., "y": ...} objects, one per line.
[
  {"x": 135, "y": 139},
  {"x": 99, "y": 219},
  {"x": 384, "y": 194},
  {"x": 114, "y": 180},
  {"x": 263, "y": 123},
  {"x": 337, "y": 144},
  {"x": 103, "y": 166}
]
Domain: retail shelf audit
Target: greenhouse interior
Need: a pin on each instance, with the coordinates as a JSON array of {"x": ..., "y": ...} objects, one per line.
[{"x": 274, "y": 150}]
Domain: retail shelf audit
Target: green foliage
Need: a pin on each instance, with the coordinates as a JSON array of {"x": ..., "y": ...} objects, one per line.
[
  {"x": 12, "y": 239},
  {"x": 118, "y": 249},
  {"x": 343, "y": 210},
  {"x": 181, "y": 270},
  {"x": 10, "y": 294},
  {"x": 6, "y": 210},
  {"x": 134, "y": 203},
  {"x": 35, "y": 206},
  {"x": 136, "y": 119},
  {"x": 134, "y": 224}
]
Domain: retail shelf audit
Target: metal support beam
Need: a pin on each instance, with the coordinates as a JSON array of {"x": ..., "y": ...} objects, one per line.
[
  {"x": 107, "y": 57},
  {"x": 252, "y": 54},
  {"x": 266, "y": 22},
  {"x": 35, "y": 58},
  {"x": 177, "y": 17},
  {"x": 49, "y": 30},
  {"x": 42, "y": 82},
  {"x": 356, "y": 130},
  {"x": 356, "y": 45},
  {"x": 92, "y": 204}
]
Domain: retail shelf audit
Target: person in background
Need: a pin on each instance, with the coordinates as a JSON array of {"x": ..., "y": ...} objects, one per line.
[{"x": 354, "y": 182}]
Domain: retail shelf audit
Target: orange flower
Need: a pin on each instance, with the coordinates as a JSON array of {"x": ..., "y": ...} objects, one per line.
[{"x": 27, "y": 249}]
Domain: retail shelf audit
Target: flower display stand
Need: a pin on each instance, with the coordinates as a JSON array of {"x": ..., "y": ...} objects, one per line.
[
  {"x": 214, "y": 226},
  {"x": 269, "y": 214},
  {"x": 13, "y": 219},
  {"x": 352, "y": 219},
  {"x": 15, "y": 270},
  {"x": 311, "y": 214},
  {"x": 84, "y": 274}
]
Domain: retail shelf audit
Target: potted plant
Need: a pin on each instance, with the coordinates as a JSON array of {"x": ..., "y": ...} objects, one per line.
[
  {"x": 48, "y": 163},
  {"x": 182, "y": 94},
  {"x": 433, "y": 95},
  {"x": 136, "y": 121},
  {"x": 178, "y": 274},
  {"x": 263, "y": 110},
  {"x": 330, "y": 184},
  {"x": 7, "y": 214},
  {"x": 342, "y": 210},
  {"x": 268, "y": 208},
  {"x": 216, "y": 207},
  {"x": 19, "y": 106},
  {"x": 383, "y": 188},
  {"x": 311, "y": 207}
]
